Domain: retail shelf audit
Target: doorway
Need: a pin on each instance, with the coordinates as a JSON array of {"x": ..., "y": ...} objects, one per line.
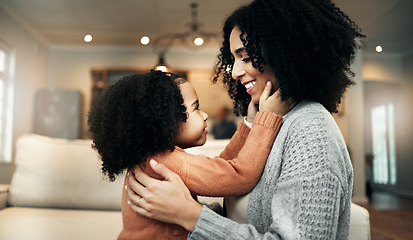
[{"x": 380, "y": 131}]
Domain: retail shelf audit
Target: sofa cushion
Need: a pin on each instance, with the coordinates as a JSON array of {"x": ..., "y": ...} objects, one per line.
[
  {"x": 62, "y": 224},
  {"x": 61, "y": 173}
]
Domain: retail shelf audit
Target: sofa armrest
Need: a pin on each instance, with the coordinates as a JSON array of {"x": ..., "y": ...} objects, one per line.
[
  {"x": 359, "y": 223},
  {"x": 4, "y": 192}
]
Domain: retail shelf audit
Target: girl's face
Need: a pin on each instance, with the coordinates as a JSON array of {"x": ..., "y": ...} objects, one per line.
[
  {"x": 243, "y": 71},
  {"x": 192, "y": 132}
]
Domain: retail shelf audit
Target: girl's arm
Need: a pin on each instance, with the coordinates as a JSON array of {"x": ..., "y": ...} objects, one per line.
[
  {"x": 226, "y": 177},
  {"x": 220, "y": 177},
  {"x": 240, "y": 136},
  {"x": 236, "y": 143}
]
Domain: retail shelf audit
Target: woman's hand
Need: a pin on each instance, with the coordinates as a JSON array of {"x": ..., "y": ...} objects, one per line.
[
  {"x": 274, "y": 103},
  {"x": 166, "y": 200}
]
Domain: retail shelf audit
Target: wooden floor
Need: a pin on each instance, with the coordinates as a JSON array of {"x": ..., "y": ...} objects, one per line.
[
  {"x": 389, "y": 201},
  {"x": 391, "y": 217}
]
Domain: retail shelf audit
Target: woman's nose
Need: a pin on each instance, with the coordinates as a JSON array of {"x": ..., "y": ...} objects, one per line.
[{"x": 237, "y": 70}]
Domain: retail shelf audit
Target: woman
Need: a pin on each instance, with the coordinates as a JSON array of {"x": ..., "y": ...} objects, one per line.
[{"x": 305, "y": 48}]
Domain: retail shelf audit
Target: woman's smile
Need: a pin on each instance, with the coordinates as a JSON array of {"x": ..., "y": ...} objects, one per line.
[{"x": 249, "y": 86}]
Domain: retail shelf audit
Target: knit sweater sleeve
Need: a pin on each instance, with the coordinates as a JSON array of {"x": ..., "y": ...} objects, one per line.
[
  {"x": 306, "y": 195},
  {"x": 317, "y": 218}
]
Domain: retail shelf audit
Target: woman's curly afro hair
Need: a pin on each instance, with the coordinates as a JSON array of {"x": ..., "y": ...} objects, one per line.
[
  {"x": 137, "y": 117},
  {"x": 310, "y": 44}
]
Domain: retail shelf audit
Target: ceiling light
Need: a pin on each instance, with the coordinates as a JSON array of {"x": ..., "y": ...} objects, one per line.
[
  {"x": 199, "y": 41},
  {"x": 192, "y": 39},
  {"x": 145, "y": 40},
  {"x": 88, "y": 38},
  {"x": 379, "y": 49},
  {"x": 161, "y": 66}
]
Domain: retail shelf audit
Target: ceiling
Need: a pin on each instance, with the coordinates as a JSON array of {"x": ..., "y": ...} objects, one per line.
[{"x": 122, "y": 22}]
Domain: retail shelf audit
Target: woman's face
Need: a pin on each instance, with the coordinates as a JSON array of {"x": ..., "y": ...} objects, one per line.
[
  {"x": 242, "y": 69},
  {"x": 192, "y": 132}
]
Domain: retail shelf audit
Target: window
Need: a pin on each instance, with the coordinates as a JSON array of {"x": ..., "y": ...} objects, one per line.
[
  {"x": 5, "y": 102},
  {"x": 383, "y": 143}
]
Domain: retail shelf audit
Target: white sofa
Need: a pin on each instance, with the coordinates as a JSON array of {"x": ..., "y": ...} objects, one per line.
[{"x": 59, "y": 192}]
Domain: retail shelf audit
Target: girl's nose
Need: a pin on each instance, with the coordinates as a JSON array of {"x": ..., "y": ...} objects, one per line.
[{"x": 204, "y": 115}]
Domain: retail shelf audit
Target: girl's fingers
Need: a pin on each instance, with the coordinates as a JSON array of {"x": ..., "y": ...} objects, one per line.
[
  {"x": 252, "y": 112},
  {"x": 291, "y": 103},
  {"x": 266, "y": 93}
]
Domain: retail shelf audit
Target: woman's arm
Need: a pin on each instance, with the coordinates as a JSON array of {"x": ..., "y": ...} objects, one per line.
[{"x": 170, "y": 201}]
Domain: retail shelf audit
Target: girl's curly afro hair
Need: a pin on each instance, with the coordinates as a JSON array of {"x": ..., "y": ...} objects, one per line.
[
  {"x": 310, "y": 44},
  {"x": 137, "y": 117}
]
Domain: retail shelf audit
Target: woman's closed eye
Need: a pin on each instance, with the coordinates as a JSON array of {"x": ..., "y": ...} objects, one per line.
[
  {"x": 246, "y": 59},
  {"x": 241, "y": 54},
  {"x": 244, "y": 55}
]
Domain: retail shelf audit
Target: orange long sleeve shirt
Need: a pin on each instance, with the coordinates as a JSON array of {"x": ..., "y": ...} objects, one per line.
[{"x": 235, "y": 172}]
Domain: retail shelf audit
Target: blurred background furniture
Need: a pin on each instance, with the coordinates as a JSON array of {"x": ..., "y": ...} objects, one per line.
[
  {"x": 59, "y": 192},
  {"x": 57, "y": 113}
]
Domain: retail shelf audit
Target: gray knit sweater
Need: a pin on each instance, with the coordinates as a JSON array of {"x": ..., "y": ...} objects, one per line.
[{"x": 305, "y": 189}]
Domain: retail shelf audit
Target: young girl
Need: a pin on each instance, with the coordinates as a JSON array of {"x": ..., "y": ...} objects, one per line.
[{"x": 156, "y": 115}]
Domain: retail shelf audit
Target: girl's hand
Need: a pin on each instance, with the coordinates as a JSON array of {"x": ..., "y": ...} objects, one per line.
[
  {"x": 166, "y": 200},
  {"x": 252, "y": 112},
  {"x": 274, "y": 103}
]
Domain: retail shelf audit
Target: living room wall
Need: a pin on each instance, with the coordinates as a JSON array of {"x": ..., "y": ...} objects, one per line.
[
  {"x": 394, "y": 74},
  {"x": 70, "y": 67},
  {"x": 29, "y": 60},
  {"x": 405, "y": 166}
]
